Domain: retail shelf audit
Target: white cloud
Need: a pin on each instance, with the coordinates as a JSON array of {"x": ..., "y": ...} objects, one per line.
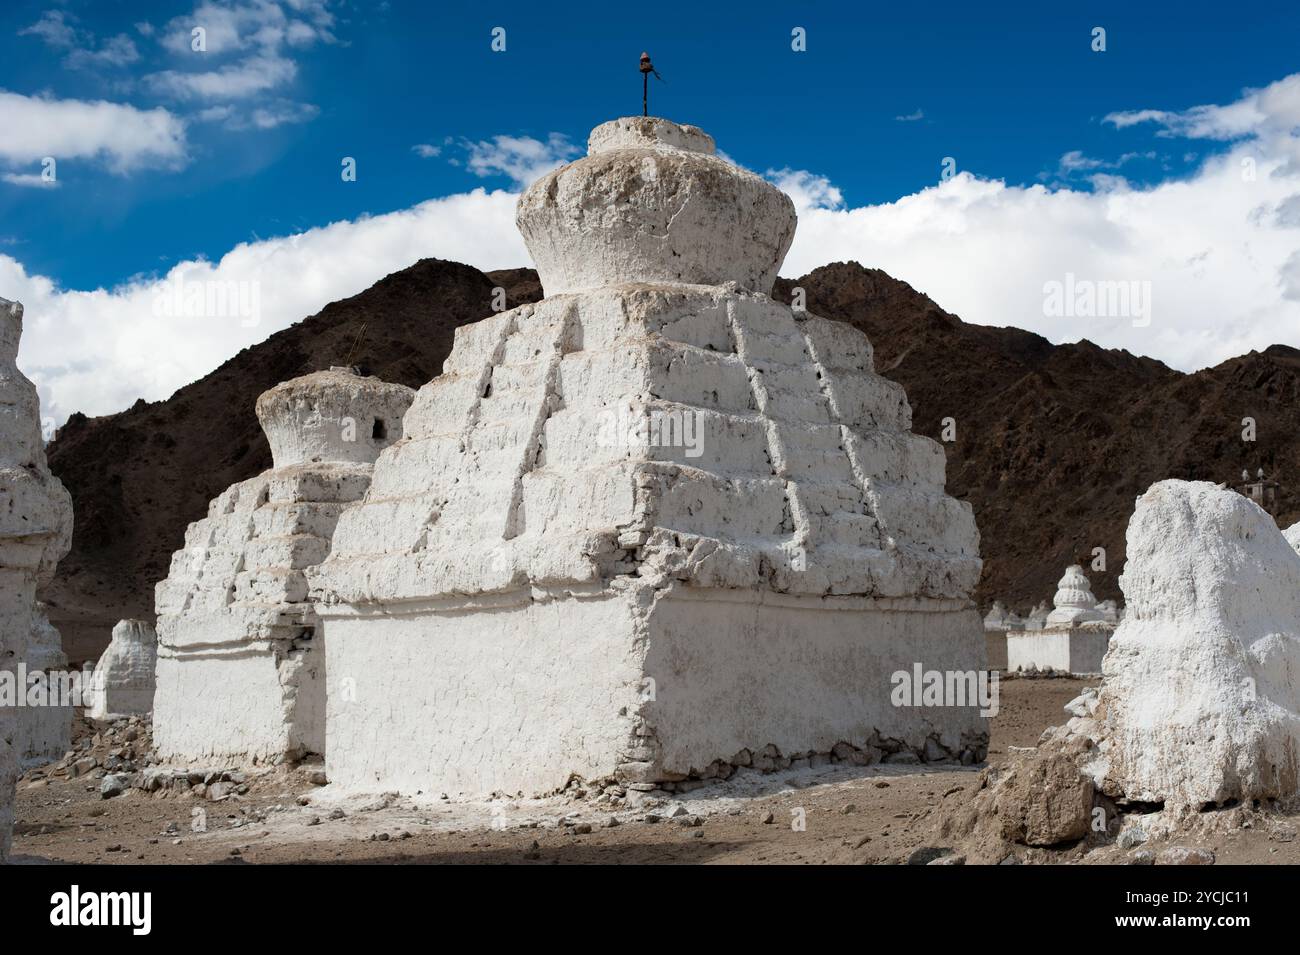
[
  {"x": 248, "y": 57},
  {"x": 121, "y": 136},
  {"x": 84, "y": 51},
  {"x": 260, "y": 25},
  {"x": 808, "y": 190},
  {"x": 521, "y": 158},
  {"x": 911, "y": 117},
  {"x": 1218, "y": 249},
  {"x": 1273, "y": 110},
  {"x": 97, "y": 351},
  {"x": 280, "y": 114},
  {"x": 30, "y": 179},
  {"x": 1075, "y": 160},
  {"x": 425, "y": 151},
  {"x": 52, "y": 27},
  {"x": 115, "y": 51},
  {"x": 248, "y": 77}
]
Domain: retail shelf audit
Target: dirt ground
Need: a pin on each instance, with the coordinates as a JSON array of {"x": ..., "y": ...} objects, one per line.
[{"x": 836, "y": 814}]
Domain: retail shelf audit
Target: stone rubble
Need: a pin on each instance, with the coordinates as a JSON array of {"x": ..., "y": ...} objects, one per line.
[
  {"x": 241, "y": 669},
  {"x": 123, "y": 682},
  {"x": 35, "y": 533},
  {"x": 556, "y": 580}
]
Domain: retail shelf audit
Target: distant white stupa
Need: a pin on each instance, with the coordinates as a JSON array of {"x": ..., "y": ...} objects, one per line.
[{"x": 1074, "y": 600}]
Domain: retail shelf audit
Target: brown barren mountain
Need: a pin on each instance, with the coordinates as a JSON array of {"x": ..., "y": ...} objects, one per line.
[{"x": 1053, "y": 442}]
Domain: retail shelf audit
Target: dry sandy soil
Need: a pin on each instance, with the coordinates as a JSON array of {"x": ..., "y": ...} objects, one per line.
[{"x": 878, "y": 814}]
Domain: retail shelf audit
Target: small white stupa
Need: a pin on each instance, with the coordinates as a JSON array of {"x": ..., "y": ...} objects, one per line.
[
  {"x": 35, "y": 533},
  {"x": 1074, "y": 602},
  {"x": 999, "y": 618},
  {"x": 1071, "y": 639},
  {"x": 652, "y": 526},
  {"x": 1037, "y": 618},
  {"x": 241, "y": 672},
  {"x": 123, "y": 682}
]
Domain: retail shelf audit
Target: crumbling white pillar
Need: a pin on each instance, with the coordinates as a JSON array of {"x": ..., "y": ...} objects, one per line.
[
  {"x": 653, "y": 527},
  {"x": 1200, "y": 699},
  {"x": 123, "y": 682},
  {"x": 241, "y": 671},
  {"x": 45, "y": 730},
  {"x": 35, "y": 533}
]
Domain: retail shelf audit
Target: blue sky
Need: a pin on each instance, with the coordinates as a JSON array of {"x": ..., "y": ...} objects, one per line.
[
  {"x": 1120, "y": 164},
  {"x": 1006, "y": 94}
]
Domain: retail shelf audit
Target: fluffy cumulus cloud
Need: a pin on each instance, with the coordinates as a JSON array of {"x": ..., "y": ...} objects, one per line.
[
  {"x": 1208, "y": 265},
  {"x": 97, "y": 351},
  {"x": 121, "y": 136},
  {"x": 1209, "y": 262}
]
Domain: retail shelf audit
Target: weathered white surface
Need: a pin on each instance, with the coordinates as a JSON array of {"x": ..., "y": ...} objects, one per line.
[
  {"x": 651, "y": 203},
  {"x": 527, "y": 558},
  {"x": 1201, "y": 690},
  {"x": 532, "y": 689},
  {"x": 241, "y": 669},
  {"x": 44, "y": 732},
  {"x": 1074, "y": 600},
  {"x": 1076, "y": 649},
  {"x": 1292, "y": 535},
  {"x": 123, "y": 682},
  {"x": 35, "y": 533}
]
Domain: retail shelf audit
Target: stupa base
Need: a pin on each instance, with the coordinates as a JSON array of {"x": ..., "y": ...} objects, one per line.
[
  {"x": 522, "y": 692},
  {"x": 245, "y": 702},
  {"x": 1077, "y": 649}
]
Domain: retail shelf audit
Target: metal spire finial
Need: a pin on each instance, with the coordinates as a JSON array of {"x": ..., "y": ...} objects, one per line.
[{"x": 646, "y": 69}]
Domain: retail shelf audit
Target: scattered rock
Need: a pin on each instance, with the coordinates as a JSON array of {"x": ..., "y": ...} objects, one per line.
[
  {"x": 1182, "y": 855},
  {"x": 927, "y": 854},
  {"x": 113, "y": 785}
]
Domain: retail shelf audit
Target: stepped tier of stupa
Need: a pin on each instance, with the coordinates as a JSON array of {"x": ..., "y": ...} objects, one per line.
[
  {"x": 651, "y": 525},
  {"x": 35, "y": 533},
  {"x": 240, "y": 671}
]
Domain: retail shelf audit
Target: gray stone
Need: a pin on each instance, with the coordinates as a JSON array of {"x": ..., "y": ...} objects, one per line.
[
  {"x": 1183, "y": 855},
  {"x": 113, "y": 785}
]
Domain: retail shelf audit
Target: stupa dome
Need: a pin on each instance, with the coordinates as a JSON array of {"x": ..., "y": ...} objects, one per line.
[
  {"x": 1074, "y": 600},
  {"x": 651, "y": 202},
  {"x": 334, "y": 416}
]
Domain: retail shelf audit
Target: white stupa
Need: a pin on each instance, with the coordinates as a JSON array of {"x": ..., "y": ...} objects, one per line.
[
  {"x": 652, "y": 524},
  {"x": 124, "y": 680},
  {"x": 1200, "y": 700},
  {"x": 241, "y": 673},
  {"x": 1074, "y": 600},
  {"x": 1037, "y": 618},
  {"x": 1071, "y": 639},
  {"x": 35, "y": 533}
]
